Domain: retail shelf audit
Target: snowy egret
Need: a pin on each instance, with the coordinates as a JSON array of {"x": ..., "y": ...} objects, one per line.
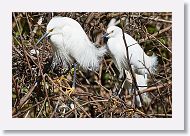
[
  {"x": 142, "y": 84},
  {"x": 71, "y": 45},
  {"x": 139, "y": 61}
]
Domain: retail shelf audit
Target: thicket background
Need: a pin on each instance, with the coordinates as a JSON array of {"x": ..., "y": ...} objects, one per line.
[{"x": 41, "y": 95}]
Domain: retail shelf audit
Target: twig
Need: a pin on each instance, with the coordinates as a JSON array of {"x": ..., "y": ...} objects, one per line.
[
  {"x": 131, "y": 71},
  {"x": 20, "y": 112},
  {"x": 156, "y": 34},
  {"x": 85, "y": 104},
  {"x": 23, "y": 99},
  {"x": 153, "y": 18},
  {"x": 42, "y": 107},
  {"x": 55, "y": 108},
  {"x": 161, "y": 115},
  {"x": 151, "y": 89}
]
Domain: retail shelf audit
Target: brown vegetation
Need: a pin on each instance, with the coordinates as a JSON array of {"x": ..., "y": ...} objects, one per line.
[{"x": 38, "y": 92}]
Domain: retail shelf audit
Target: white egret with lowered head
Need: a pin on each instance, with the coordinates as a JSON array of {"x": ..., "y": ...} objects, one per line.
[
  {"x": 139, "y": 61},
  {"x": 71, "y": 45}
]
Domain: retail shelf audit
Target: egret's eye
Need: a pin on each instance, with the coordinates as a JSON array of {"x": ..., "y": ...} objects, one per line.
[
  {"x": 110, "y": 32},
  {"x": 51, "y": 30}
]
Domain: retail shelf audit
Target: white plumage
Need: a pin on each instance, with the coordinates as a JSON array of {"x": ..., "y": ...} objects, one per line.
[
  {"x": 142, "y": 84},
  {"x": 70, "y": 43},
  {"x": 140, "y": 62},
  {"x": 138, "y": 59}
]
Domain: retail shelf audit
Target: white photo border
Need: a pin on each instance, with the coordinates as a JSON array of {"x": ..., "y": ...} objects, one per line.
[{"x": 174, "y": 123}]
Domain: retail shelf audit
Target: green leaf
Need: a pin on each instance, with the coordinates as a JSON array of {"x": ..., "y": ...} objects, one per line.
[{"x": 106, "y": 76}]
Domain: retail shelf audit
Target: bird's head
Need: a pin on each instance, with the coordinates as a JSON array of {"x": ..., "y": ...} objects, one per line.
[
  {"x": 57, "y": 24},
  {"x": 112, "y": 31},
  {"x": 54, "y": 27}
]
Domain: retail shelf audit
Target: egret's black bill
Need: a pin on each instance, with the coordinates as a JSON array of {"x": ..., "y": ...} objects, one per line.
[
  {"x": 42, "y": 38},
  {"x": 105, "y": 38}
]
